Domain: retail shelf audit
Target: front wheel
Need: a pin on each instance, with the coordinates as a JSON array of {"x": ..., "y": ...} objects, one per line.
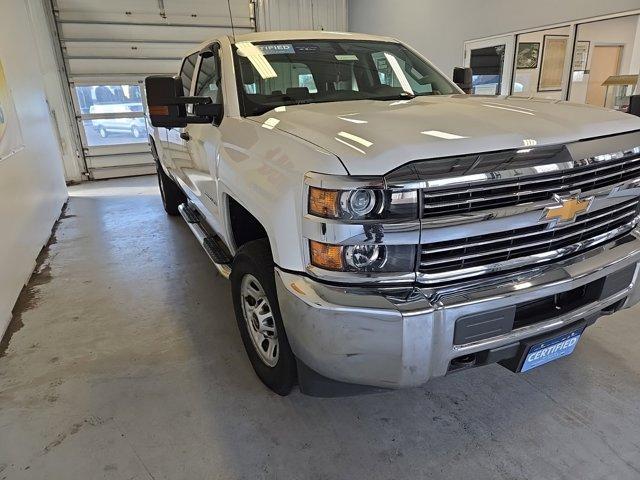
[{"x": 258, "y": 315}]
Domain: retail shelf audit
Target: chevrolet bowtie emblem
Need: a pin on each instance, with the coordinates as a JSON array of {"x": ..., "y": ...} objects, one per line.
[{"x": 568, "y": 210}]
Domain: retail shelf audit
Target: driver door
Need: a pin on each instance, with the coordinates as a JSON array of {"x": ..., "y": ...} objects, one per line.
[{"x": 204, "y": 141}]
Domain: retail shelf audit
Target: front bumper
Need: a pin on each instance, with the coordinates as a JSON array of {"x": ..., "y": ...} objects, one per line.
[{"x": 402, "y": 337}]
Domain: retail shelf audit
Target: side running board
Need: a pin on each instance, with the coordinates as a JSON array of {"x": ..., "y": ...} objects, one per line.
[{"x": 212, "y": 244}]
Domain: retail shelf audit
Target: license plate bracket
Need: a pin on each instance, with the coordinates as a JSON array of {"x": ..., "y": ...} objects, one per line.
[{"x": 554, "y": 345}]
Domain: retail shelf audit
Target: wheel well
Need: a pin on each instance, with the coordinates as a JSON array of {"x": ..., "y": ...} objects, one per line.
[{"x": 244, "y": 226}]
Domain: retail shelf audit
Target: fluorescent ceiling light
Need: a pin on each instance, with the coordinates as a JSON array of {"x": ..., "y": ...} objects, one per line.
[
  {"x": 400, "y": 102},
  {"x": 353, "y": 120},
  {"x": 257, "y": 59},
  {"x": 444, "y": 182},
  {"x": 395, "y": 66},
  {"x": 349, "y": 145},
  {"x": 356, "y": 139},
  {"x": 508, "y": 108},
  {"x": 522, "y": 286},
  {"x": 270, "y": 123},
  {"x": 546, "y": 168},
  {"x": 501, "y": 105},
  {"x": 443, "y": 135}
]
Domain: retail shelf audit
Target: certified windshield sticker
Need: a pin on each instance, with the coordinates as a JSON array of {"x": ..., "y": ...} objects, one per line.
[
  {"x": 346, "y": 58},
  {"x": 277, "y": 49}
]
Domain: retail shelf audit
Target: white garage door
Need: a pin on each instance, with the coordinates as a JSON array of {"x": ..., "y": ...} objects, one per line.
[{"x": 109, "y": 46}]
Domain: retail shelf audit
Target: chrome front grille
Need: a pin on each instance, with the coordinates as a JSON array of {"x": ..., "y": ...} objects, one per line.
[
  {"x": 533, "y": 244},
  {"x": 597, "y": 172},
  {"x": 490, "y": 213}
]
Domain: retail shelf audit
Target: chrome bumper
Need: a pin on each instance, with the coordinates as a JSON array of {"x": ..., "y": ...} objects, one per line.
[{"x": 402, "y": 337}]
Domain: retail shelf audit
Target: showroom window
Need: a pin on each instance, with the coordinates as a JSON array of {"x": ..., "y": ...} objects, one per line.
[
  {"x": 487, "y": 64},
  {"x": 606, "y": 62},
  {"x": 591, "y": 62}
]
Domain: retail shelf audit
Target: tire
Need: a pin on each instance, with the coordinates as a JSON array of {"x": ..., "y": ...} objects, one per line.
[
  {"x": 254, "y": 264},
  {"x": 103, "y": 132},
  {"x": 172, "y": 196}
]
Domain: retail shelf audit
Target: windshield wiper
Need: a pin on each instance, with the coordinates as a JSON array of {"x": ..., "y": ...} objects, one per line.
[
  {"x": 401, "y": 96},
  {"x": 262, "y": 109}
]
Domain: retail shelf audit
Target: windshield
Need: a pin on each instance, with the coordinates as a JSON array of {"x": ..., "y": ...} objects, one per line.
[{"x": 273, "y": 74}]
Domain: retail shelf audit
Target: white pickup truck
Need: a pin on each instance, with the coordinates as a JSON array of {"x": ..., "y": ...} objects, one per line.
[{"x": 379, "y": 227}]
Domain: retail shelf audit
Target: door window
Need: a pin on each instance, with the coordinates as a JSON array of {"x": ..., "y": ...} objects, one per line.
[
  {"x": 186, "y": 72},
  {"x": 208, "y": 83}
]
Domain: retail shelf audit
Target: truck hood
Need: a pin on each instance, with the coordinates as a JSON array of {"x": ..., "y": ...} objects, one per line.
[{"x": 374, "y": 137}]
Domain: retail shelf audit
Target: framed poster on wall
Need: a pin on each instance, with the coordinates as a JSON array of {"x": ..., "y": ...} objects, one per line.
[
  {"x": 552, "y": 65},
  {"x": 528, "y": 54},
  {"x": 581, "y": 55},
  {"x": 10, "y": 135}
]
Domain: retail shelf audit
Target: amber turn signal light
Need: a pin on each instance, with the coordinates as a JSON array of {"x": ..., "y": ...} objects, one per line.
[
  {"x": 326, "y": 256},
  {"x": 160, "y": 110},
  {"x": 324, "y": 203}
]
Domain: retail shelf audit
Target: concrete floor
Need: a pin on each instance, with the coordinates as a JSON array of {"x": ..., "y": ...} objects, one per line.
[{"x": 125, "y": 362}]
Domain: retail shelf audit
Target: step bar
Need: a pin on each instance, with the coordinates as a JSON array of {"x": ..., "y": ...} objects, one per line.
[{"x": 211, "y": 244}]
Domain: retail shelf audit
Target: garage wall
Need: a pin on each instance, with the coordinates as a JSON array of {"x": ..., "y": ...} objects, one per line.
[
  {"x": 32, "y": 187},
  {"x": 301, "y": 15},
  {"x": 439, "y": 29}
]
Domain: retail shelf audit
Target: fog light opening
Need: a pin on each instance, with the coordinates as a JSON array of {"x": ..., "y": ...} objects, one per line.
[{"x": 464, "y": 361}]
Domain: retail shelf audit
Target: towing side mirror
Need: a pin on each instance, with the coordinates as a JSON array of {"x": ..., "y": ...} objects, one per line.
[
  {"x": 162, "y": 95},
  {"x": 463, "y": 77},
  {"x": 167, "y": 105}
]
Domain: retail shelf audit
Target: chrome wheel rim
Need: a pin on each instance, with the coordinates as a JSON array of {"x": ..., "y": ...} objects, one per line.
[{"x": 259, "y": 319}]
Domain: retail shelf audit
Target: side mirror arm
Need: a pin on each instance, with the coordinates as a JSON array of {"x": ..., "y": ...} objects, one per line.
[{"x": 184, "y": 101}]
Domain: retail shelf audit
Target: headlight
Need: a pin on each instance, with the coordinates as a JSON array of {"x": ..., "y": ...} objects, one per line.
[
  {"x": 363, "y": 204},
  {"x": 367, "y": 258}
]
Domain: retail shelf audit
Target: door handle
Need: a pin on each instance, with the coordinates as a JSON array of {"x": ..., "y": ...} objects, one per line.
[{"x": 185, "y": 136}]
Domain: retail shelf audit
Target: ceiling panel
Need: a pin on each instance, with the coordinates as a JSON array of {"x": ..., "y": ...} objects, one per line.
[
  {"x": 159, "y": 33},
  {"x": 126, "y": 49},
  {"x": 114, "y": 67},
  {"x": 168, "y": 11}
]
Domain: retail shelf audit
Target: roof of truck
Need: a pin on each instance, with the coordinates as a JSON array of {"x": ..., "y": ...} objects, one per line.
[
  {"x": 305, "y": 35},
  {"x": 287, "y": 35}
]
